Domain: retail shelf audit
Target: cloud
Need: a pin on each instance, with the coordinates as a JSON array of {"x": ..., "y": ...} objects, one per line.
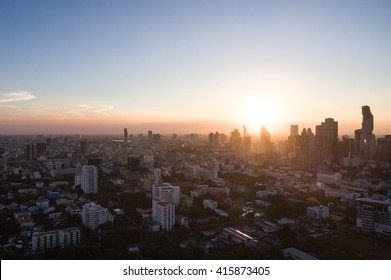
[
  {"x": 103, "y": 108},
  {"x": 15, "y": 96},
  {"x": 11, "y": 107},
  {"x": 83, "y": 108}
]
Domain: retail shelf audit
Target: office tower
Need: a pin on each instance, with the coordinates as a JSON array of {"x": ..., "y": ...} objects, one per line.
[
  {"x": 211, "y": 139},
  {"x": 93, "y": 215},
  {"x": 83, "y": 147},
  {"x": 364, "y": 139},
  {"x": 29, "y": 152},
  {"x": 166, "y": 192},
  {"x": 244, "y": 132},
  {"x": 48, "y": 142},
  {"x": 89, "y": 179},
  {"x": 347, "y": 146},
  {"x": 246, "y": 149},
  {"x": 40, "y": 149},
  {"x": 171, "y": 158},
  {"x": 150, "y": 136},
  {"x": 291, "y": 145},
  {"x": 236, "y": 144},
  {"x": 294, "y": 130},
  {"x": 374, "y": 215},
  {"x": 163, "y": 213},
  {"x": 134, "y": 167},
  {"x": 383, "y": 150},
  {"x": 327, "y": 138},
  {"x": 125, "y": 135},
  {"x": 156, "y": 138},
  {"x": 265, "y": 134}
]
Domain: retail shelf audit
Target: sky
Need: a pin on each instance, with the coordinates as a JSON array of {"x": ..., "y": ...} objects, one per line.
[{"x": 192, "y": 66}]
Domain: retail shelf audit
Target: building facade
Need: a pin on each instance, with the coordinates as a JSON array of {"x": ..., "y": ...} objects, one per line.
[
  {"x": 163, "y": 213},
  {"x": 55, "y": 239},
  {"x": 93, "y": 215},
  {"x": 89, "y": 179}
]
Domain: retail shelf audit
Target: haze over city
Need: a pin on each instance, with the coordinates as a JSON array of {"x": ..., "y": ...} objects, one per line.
[{"x": 192, "y": 66}]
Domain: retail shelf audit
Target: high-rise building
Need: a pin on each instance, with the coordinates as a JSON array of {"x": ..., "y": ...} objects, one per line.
[
  {"x": 291, "y": 145},
  {"x": 40, "y": 149},
  {"x": 166, "y": 192},
  {"x": 83, "y": 147},
  {"x": 125, "y": 135},
  {"x": 326, "y": 138},
  {"x": 236, "y": 143},
  {"x": 156, "y": 138},
  {"x": 171, "y": 158},
  {"x": 374, "y": 216},
  {"x": 383, "y": 150},
  {"x": 134, "y": 167},
  {"x": 294, "y": 130},
  {"x": 150, "y": 136},
  {"x": 364, "y": 139},
  {"x": 265, "y": 134},
  {"x": 347, "y": 146},
  {"x": 89, "y": 179},
  {"x": 163, "y": 213},
  {"x": 29, "y": 152},
  {"x": 93, "y": 215}
]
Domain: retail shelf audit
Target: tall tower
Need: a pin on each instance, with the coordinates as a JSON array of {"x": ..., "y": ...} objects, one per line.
[
  {"x": 89, "y": 179},
  {"x": 327, "y": 137},
  {"x": 125, "y": 135},
  {"x": 364, "y": 139}
]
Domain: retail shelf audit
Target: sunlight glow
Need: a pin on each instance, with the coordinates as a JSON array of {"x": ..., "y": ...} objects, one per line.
[{"x": 261, "y": 109}]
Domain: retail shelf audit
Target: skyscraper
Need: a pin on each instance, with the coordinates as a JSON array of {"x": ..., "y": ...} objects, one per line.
[
  {"x": 327, "y": 138},
  {"x": 125, "y": 135},
  {"x": 89, "y": 179},
  {"x": 364, "y": 139}
]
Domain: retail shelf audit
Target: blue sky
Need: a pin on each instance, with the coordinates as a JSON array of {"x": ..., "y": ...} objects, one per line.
[{"x": 111, "y": 64}]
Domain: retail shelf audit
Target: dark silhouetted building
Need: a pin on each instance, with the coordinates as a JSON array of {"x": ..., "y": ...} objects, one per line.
[
  {"x": 327, "y": 140},
  {"x": 125, "y": 135},
  {"x": 364, "y": 139},
  {"x": 383, "y": 151}
]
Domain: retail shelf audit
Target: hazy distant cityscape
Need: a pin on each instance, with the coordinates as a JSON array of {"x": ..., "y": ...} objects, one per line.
[{"x": 314, "y": 195}]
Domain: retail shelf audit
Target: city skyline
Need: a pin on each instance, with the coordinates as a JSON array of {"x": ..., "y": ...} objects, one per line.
[{"x": 182, "y": 67}]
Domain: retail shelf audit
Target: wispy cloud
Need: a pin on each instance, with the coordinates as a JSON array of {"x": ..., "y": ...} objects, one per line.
[
  {"x": 103, "y": 108},
  {"x": 83, "y": 109},
  {"x": 11, "y": 107},
  {"x": 15, "y": 96}
]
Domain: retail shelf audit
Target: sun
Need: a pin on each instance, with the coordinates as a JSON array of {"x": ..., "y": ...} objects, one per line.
[{"x": 259, "y": 110}]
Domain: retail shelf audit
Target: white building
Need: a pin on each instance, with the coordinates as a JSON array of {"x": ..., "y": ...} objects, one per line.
[
  {"x": 42, "y": 203},
  {"x": 150, "y": 181},
  {"x": 329, "y": 177},
  {"x": 163, "y": 213},
  {"x": 208, "y": 203},
  {"x": 261, "y": 194},
  {"x": 200, "y": 190},
  {"x": 55, "y": 239},
  {"x": 167, "y": 192},
  {"x": 89, "y": 179},
  {"x": 374, "y": 216},
  {"x": 94, "y": 215},
  {"x": 318, "y": 212}
]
